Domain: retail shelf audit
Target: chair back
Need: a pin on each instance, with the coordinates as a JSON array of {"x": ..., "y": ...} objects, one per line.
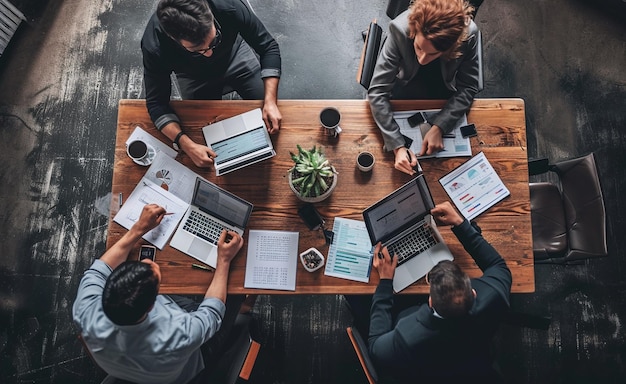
[
  {"x": 584, "y": 209},
  {"x": 569, "y": 219},
  {"x": 369, "y": 55},
  {"x": 360, "y": 347}
]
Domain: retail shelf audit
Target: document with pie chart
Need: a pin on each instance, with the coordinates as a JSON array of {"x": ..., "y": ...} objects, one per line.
[{"x": 474, "y": 186}]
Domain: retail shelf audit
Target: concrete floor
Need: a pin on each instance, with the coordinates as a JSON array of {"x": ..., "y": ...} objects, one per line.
[{"x": 72, "y": 61}]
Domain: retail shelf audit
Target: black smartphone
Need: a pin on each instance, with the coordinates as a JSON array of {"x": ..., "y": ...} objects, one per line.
[
  {"x": 147, "y": 252},
  {"x": 468, "y": 130},
  {"x": 310, "y": 216},
  {"x": 407, "y": 141},
  {"x": 416, "y": 119}
]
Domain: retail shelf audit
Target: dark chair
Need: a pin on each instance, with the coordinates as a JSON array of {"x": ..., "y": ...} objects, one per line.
[
  {"x": 238, "y": 360},
  {"x": 369, "y": 55},
  {"x": 360, "y": 347},
  {"x": 568, "y": 218}
]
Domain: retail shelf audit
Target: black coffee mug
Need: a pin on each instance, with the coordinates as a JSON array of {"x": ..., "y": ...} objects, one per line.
[{"x": 329, "y": 118}]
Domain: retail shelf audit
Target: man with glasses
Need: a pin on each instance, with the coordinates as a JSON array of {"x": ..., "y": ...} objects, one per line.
[
  {"x": 449, "y": 335},
  {"x": 209, "y": 45}
]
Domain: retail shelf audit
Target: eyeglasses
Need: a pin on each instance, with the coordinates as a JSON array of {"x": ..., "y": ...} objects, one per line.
[{"x": 214, "y": 44}]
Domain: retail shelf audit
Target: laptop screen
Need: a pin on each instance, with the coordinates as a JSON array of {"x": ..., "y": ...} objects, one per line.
[
  {"x": 239, "y": 145},
  {"x": 398, "y": 211},
  {"x": 222, "y": 204}
]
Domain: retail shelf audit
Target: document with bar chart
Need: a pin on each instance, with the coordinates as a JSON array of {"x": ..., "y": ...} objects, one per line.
[
  {"x": 474, "y": 186},
  {"x": 350, "y": 254}
]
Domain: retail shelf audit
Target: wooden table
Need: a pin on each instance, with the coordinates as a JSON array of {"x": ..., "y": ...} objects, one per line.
[{"x": 501, "y": 136}]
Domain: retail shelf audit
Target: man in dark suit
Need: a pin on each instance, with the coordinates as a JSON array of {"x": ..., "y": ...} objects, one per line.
[{"x": 449, "y": 336}]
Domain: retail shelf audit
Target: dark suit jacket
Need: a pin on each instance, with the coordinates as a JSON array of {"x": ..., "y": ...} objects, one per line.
[{"x": 419, "y": 344}]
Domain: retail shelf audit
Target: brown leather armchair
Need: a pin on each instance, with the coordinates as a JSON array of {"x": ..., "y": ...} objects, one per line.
[{"x": 568, "y": 219}]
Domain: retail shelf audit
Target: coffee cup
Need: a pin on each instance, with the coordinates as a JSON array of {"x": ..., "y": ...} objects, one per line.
[
  {"x": 329, "y": 118},
  {"x": 140, "y": 152},
  {"x": 365, "y": 161}
]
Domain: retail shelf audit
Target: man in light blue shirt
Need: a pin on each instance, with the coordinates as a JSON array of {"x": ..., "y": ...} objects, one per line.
[{"x": 135, "y": 334}]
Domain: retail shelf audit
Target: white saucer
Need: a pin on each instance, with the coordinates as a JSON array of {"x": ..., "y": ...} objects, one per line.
[{"x": 148, "y": 159}]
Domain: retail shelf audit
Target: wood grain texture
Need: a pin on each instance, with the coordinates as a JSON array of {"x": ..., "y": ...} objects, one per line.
[{"x": 501, "y": 136}]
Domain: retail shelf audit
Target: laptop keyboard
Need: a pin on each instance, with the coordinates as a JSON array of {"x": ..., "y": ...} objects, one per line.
[
  {"x": 413, "y": 244},
  {"x": 204, "y": 227}
]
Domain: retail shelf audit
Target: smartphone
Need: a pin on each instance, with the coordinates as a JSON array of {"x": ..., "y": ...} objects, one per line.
[
  {"x": 468, "y": 130},
  {"x": 407, "y": 141},
  {"x": 147, "y": 252},
  {"x": 310, "y": 216},
  {"x": 416, "y": 119}
]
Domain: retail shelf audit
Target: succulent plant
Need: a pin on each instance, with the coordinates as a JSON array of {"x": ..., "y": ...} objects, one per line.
[{"x": 312, "y": 172}]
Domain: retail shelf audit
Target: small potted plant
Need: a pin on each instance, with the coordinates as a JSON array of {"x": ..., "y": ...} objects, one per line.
[{"x": 311, "y": 178}]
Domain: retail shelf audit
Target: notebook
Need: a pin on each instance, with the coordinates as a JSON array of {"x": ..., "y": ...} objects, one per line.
[
  {"x": 239, "y": 141},
  {"x": 211, "y": 210},
  {"x": 401, "y": 221}
]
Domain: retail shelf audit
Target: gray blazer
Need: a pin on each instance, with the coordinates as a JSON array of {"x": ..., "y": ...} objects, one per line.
[{"x": 397, "y": 62}]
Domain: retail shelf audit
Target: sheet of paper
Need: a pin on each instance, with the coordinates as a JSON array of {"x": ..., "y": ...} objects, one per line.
[
  {"x": 140, "y": 134},
  {"x": 146, "y": 192},
  {"x": 474, "y": 186},
  {"x": 173, "y": 176},
  {"x": 272, "y": 260},
  {"x": 454, "y": 143},
  {"x": 350, "y": 254}
]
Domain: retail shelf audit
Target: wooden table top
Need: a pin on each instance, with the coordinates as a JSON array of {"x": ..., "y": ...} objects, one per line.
[{"x": 501, "y": 136}]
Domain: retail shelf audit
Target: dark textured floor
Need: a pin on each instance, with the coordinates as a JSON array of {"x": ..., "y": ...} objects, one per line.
[{"x": 71, "y": 62}]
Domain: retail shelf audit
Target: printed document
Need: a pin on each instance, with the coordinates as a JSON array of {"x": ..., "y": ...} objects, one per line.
[
  {"x": 454, "y": 144},
  {"x": 474, "y": 186},
  {"x": 272, "y": 260},
  {"x": 350, "y": 254},
  {"x": 147, "y": 192}
]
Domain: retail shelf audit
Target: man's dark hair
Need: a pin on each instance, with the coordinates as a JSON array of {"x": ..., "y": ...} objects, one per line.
[
  {"x": 450, "y": 290},
  {"x": 129, "y": 292},
  {"x": 189, "y": 20}
]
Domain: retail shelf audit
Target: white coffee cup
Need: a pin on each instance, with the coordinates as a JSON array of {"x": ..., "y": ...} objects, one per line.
[
  {"x": 329, "y": 118},
  {"x": 365, "y": 161},
  {"x": 139, "y": 151}
]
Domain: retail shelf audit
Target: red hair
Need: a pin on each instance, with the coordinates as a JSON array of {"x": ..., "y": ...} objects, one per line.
[{"x": 442, "y": 22}]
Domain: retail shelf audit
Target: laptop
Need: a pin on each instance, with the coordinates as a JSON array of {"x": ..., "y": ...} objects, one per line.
[
  {"x": 212, "y": 209},
  {"x": 401, "y": 221},
  {"x": 239, "y": 141}
]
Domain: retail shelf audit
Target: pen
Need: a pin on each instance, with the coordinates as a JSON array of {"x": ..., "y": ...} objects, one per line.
[
  {"x": 198, "y": 266},
  {"x": 120, "y": 199},
  {"x": 168, "y": 213}
]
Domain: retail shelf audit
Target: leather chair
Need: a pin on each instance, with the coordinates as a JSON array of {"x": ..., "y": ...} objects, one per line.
[
  {"x": 360, "y": 347},
  {"x": 568, "y": 218}
]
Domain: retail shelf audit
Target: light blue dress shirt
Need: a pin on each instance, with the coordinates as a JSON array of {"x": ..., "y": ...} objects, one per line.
[{"x": 164, "y": 348}]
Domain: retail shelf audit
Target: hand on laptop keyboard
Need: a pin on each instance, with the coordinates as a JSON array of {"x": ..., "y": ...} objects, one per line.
[{"x": 386, "y": 266}]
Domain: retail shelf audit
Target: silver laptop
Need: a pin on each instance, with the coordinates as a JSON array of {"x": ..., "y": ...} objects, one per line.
[
  {"x": 402, "y": 222},
  {"x": 211, "y": 210},
  {"x": 239, "y": 141}
]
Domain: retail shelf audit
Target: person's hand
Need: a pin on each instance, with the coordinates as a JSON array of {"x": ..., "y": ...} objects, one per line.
[
  {"x": 445, "y": 214},
  {"x": 228, "y": 245},
  {"x": 272, "y": 117},
  {"x": 386, "y": 266},
  {"x": 433, "y": 141},
  {"x": 150, "y": 217},
  {"x": 201, "y": 155},
  {"x": 405, "y": 160}
]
